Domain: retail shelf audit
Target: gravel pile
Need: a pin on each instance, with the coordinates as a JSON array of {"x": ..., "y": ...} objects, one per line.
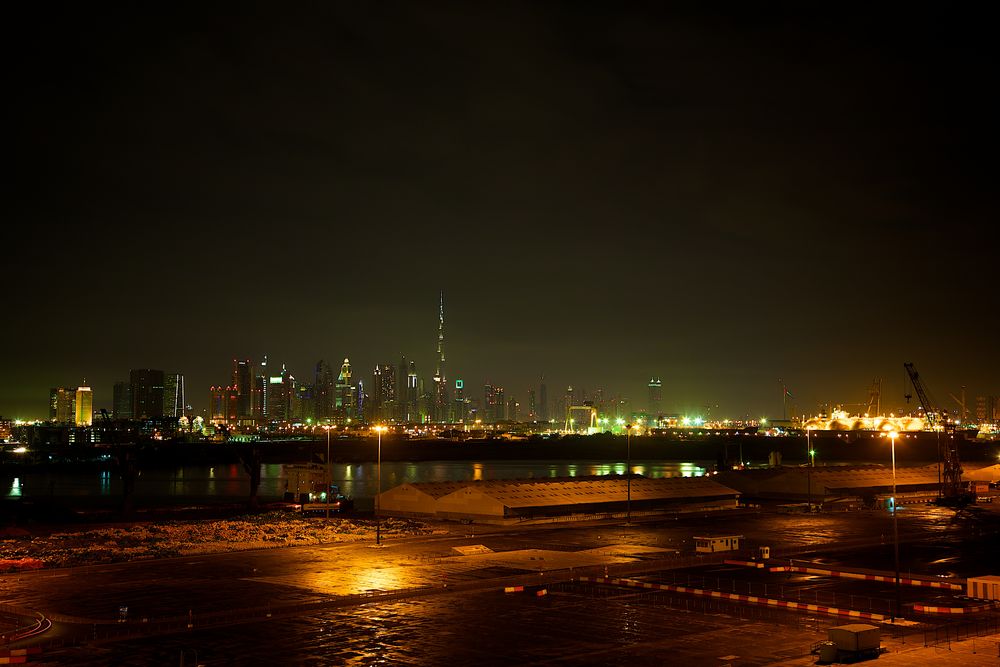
[{"x": 185, "y": 538}]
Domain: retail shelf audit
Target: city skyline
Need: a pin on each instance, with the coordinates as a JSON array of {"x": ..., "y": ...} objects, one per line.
[
  {"x": 648, "y": 396},
  {"x": 604, "y": 195}
]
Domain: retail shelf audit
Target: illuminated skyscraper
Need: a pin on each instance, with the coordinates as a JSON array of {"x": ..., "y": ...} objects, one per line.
[
  {"x": 383, "y": 392},
  {"x": 345, "y": 393},
  {"x": 258, "y": 400},
  {"x": 655, "y": 405},
  {"x": 532, "y": 408},
  {"x": 460, "y": 408},
  {"x": 279, "y": 395},
  {"x": 513, "y": 410},
  {"x": 243, "y": 381},
  {"x": 412, "y": 394},
  {"x": 147, "y": 393},
  {"x": 494, "y": 409},
  {"x": 62, "y": 405},
  {"x": 173, "y": 395},
  {"x": 441, "y": 406},
  {"x": 223, "y": 404},
  {"x": 84, "y": 406}
]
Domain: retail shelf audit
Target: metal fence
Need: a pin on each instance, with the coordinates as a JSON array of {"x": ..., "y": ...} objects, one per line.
[
  {"x": 947, "y": 634},
  {"x": 778, "y": 591},
  {"x": 701, "y": 605}
]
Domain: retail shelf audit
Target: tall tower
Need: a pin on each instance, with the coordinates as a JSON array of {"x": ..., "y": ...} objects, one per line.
[
  {"x": 62, "y": 405},
  {"x": 84, "y": 406},
  {"x": 173, "y": 395},
  {"x": 440, "y": 366},
  {"x": 242, "y": 380},
  {"x": 345, "y": 393},
  {"x": 412, "y": 394},
  {"x": 655, "y": 406},
  {"x": 440, "y": 381}
]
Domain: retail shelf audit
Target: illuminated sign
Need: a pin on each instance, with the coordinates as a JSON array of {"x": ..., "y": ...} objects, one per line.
[
  {"x": 276, "y": 380},
  {"x": 459, "y": 384}
]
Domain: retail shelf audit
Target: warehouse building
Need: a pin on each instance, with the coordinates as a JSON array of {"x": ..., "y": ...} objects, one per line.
[
  {"x": 517, "y": 499},
  {"x": 860, "y": 484}
]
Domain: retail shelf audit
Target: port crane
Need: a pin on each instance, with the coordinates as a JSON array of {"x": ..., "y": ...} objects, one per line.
[{"x": 937, "y": 418}]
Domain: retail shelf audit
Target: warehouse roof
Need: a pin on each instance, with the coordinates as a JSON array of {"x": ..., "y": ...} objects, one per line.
[{"x": 556, "y": 491}]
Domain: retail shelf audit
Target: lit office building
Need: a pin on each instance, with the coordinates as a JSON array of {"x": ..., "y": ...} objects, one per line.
[
  {"x": 173, "y": 395},
  {"x": 84, "y": 406},
  {"x": 62, "y": 405}
]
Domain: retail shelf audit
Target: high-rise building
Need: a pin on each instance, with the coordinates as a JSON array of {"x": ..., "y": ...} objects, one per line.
[
  {"x": 360, "y": 400},
  {"x": 147, "y": 393},
  {"x": 441, "y": 405},
  {"x": 412, "y": 395},
  {"x": 513, "y": 408},
  {"x": 460, "y": 408},
  {"x": 62, "y": 405},
  {"x": 243, "y": 381},
  {"x": 383, "y": 392},
  {"x": 324, "y": 392},
  {"x": 303, "y": 403},
  {"x": 494, "y": 408},
  {"x": 655, "y": 405},
  {"x": 223, "y": 404},
  {"x": 345, "y": 393},
  {"x": 532, "y": 408},
  {"x": 258, "y": 400},
  {"x": 280, "y": 389},
  {"x": 121, "y": 407},
  {"x": 84, "y": 406},
  {"x": 173, "y": 395}
]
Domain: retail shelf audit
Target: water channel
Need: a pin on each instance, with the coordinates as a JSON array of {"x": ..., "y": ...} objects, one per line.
[{"x": 198, "y": 484}]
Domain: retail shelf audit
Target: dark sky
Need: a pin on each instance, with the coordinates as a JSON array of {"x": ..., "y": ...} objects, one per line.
[{"x": 604, "y": 191}]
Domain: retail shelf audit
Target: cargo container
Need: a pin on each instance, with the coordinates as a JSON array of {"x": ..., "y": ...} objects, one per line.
[{"x": 857, "y": 641}]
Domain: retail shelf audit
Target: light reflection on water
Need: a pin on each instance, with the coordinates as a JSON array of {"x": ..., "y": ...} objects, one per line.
[{"x": 230, "y": 483}]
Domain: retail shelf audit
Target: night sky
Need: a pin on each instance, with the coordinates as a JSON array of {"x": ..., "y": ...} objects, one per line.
[{"x": 603, "y": 191}]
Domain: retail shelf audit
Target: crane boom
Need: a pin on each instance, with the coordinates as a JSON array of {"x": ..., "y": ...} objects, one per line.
[
  {"x": 935, "y": 416},
  {"x": 951, "y": 467}
]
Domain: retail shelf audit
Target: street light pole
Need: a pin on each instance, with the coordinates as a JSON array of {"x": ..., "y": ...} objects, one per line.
[
  {"x": 895, "y": 525},
  {"x": 378, "y": 494},
  {"x": 628, "y": 472},
  {"x": 329, "y": 482}
]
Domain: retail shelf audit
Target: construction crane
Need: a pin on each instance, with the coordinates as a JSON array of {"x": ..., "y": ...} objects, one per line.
[
  {"x": 951, "y": 468},
  {"x": 874, "y": 406},
  {"x": 936, "y": 417}
]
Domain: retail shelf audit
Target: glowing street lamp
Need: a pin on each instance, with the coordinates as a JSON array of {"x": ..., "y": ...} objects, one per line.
[
  {"x": 329, "y": 480},
  {"x": 809, "y": 465},
  {"x": 628, "y": 472},
  {"x": 895, "y": 526},
  {"x": 378, "y": 494}
]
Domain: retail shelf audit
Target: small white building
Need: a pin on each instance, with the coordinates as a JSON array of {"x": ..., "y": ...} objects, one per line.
[
  {"x": 716, "y": 543},
  {"x": 983, "y": 588}
]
